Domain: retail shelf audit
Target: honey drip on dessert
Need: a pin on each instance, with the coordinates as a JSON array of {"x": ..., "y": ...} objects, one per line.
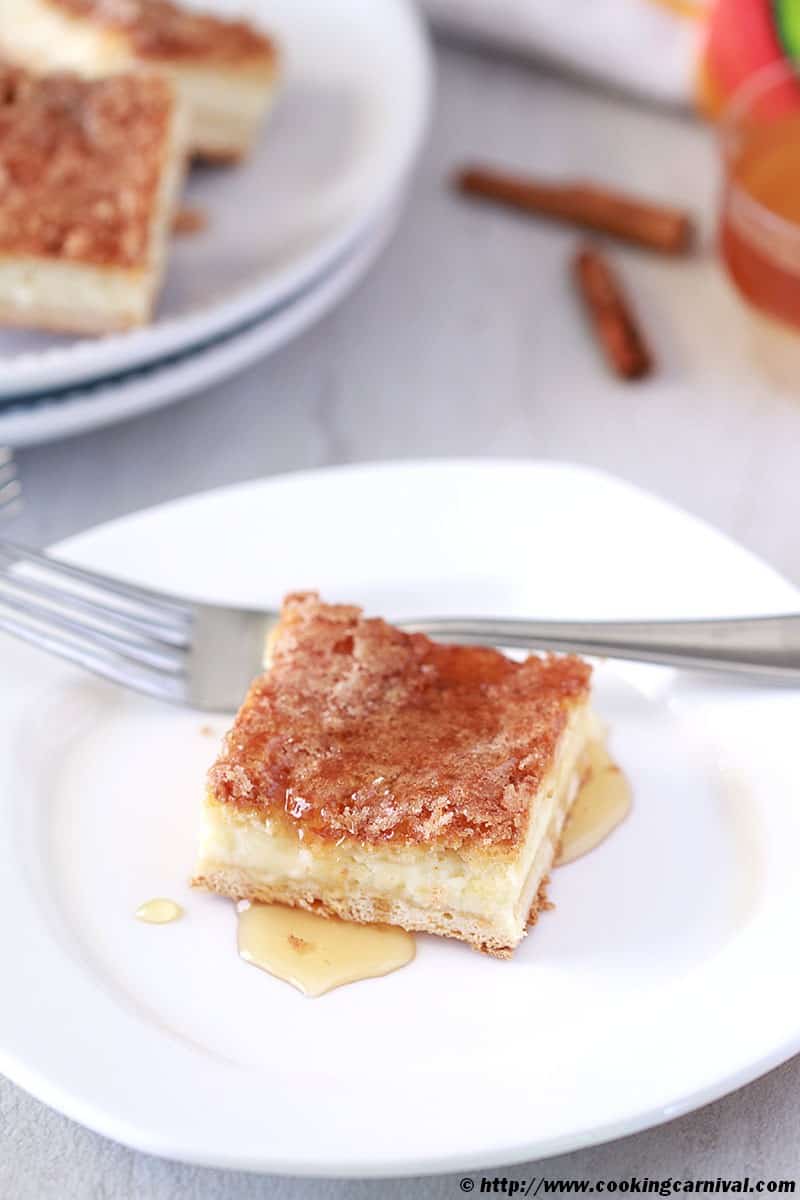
[
  {"x": 603, "y": 801},
  {"x": 159, "y": 911},
  {"x": 316, "y": 954}
]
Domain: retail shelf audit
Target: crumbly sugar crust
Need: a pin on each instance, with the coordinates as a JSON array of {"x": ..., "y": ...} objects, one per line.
[
  {"x": 364, "y": 910},
  {"x": 159, "y": 29},
  {"x": 80, "y": 165},
  {"x": 360, "y": 731}
]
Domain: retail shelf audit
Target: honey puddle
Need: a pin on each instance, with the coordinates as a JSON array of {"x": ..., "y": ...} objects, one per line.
[
  {"x": 604, "y": 800},
  {"x": 316, "y": 954},
  {"x": 159, "y": 911}
]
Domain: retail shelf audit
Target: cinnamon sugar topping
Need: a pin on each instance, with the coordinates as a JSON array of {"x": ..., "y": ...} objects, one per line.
[
  {"x": 80, "y": 165},
  {"x": 158, "y": 29},
  {"x": 359, "y": 731}
]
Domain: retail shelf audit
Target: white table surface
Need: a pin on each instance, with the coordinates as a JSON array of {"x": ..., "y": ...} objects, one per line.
[{"x": 465, "y": 339}]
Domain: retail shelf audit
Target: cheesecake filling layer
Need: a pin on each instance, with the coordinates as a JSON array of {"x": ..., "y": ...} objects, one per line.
[{"x": 226, "y": 108}]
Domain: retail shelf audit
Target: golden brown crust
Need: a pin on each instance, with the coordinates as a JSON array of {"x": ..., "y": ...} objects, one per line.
[
  {"x": 360, "y": 731},
  {"x": 236, "y": 885},
  {"x": 80, "y": 165},
  {"x": 161, "y": 30}
]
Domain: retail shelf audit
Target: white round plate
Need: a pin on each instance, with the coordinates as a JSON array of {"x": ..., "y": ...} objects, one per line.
[
  {"x": 337, "y": 150},
  {"x": 29, "y": 421},
  {"x": 665, "y": 976}
]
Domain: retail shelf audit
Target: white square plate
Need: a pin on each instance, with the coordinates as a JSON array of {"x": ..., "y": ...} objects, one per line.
[{"x": 665, "y": 977}]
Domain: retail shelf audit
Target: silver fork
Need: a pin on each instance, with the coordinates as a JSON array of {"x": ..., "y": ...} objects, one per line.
[
  {"x": 204, "y": 655},
  {"x": 10, "y": 488}
]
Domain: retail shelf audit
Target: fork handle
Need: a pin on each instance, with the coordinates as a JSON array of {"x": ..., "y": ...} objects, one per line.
[{"x": 759, "y": 647}]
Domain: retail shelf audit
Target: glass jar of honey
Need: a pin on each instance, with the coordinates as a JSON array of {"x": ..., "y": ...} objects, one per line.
[{"x": 759, "y": 225}]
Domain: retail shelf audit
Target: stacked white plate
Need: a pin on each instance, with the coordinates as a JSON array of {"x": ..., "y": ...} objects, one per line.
[{"x": 288, "y": 232}]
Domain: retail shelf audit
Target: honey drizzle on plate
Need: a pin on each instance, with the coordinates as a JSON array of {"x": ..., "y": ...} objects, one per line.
[
  {"x": 159, "y": 911},
  {"x": 316, "y": 954},
  {"x": 603, "y": 801}
]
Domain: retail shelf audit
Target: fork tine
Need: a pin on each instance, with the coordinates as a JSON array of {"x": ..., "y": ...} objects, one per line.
[
  {"x": 167, "y": 634},
  {"x": 99, "y": 662},
  {"x": 139, "y": 595},
  {"x": 132, "y": 649}
]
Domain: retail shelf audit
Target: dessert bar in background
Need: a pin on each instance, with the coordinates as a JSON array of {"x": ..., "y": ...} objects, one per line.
[
  {"x": 225, "y": 71},
  {"x": 377, "y": 776},
  {"x": 91, "y": 172}
]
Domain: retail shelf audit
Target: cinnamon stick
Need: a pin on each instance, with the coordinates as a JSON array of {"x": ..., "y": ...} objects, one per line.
[
  {"x": 612, "y": 319},
  {"x": 657, "y": 226}
]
